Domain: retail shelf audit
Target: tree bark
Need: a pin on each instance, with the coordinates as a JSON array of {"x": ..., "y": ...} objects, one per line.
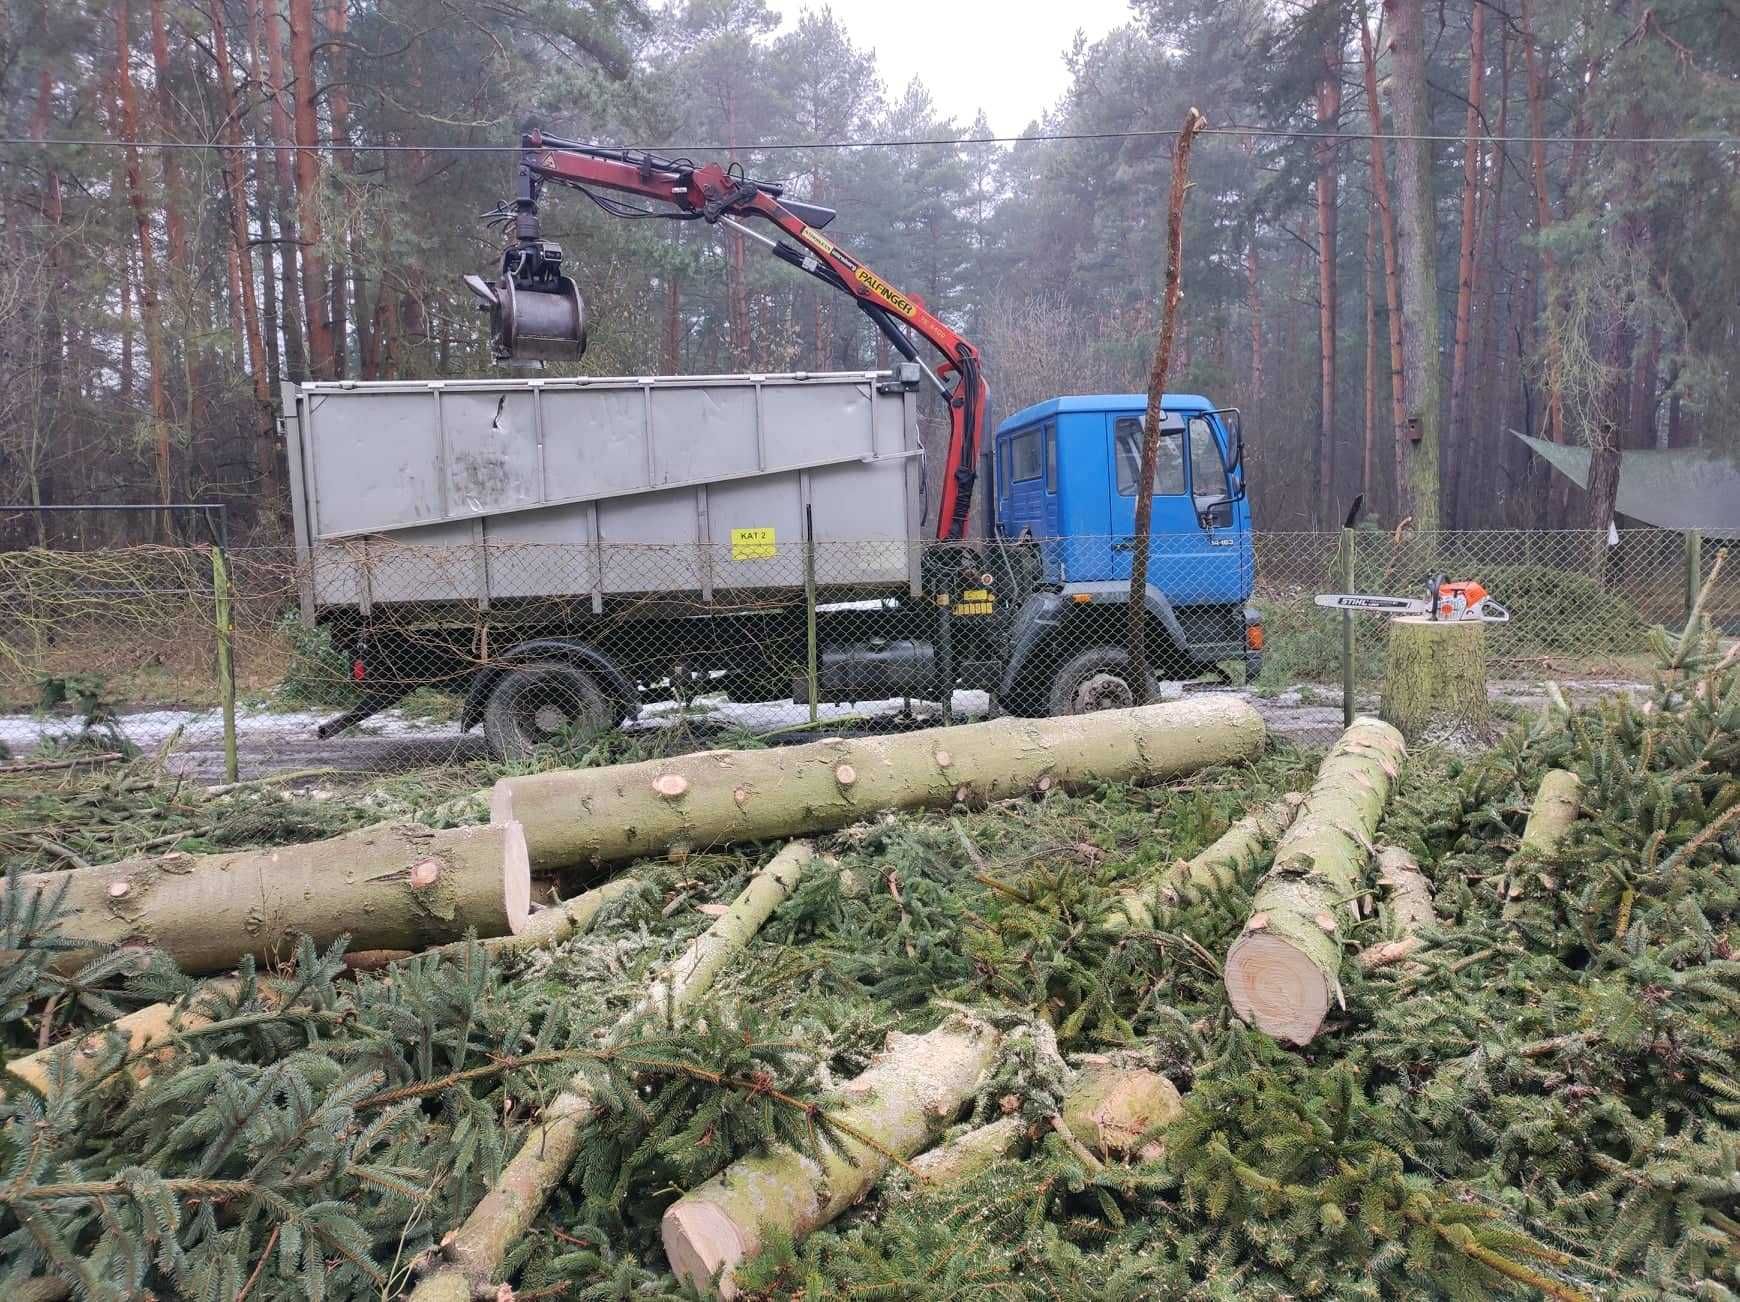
[
  {"x": 1380, "y": 188},
  {"x": 901, "y": 1100},
  {"x": 284, "y": 192},
  {"x": 149, "y": 310},
  {"x": 1254, "y": 297},
  {"x": 1417, "y": 254},
  {"x": 1537, "y": 93},
  {"x": 1459, "y": 443},
  {"x": 386, "y": 887},
  {"x": 1409, "y": 898},
  {"x": 623, "y": 811},
  {"x": 343, "y": 161},
  {"x": 1435, "y": 681},
  {"x": 306, "y": 125},
  {"x": 474, "y": 1252},
  {"x": 235, "y": 186},
  {"x": 1370, "y": 441},
  {"x": 1493, "y": 447},
  {"x": 1551, "y": 816},
  {"x": 1328, "y": 110},
  {"x": 1285, "y": 967},
  {"x": 1136, "y": 606},
  {"x": 1213, "y": 869}
]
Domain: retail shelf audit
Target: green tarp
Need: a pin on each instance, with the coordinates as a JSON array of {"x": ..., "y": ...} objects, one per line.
[{"x": 1671, "y": 488}]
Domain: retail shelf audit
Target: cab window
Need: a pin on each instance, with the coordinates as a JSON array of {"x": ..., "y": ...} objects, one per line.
[
  {"x": 1207, "y": 471},
  {"x": 1051, "y": 456},
  {"x": 1028, "y": 455},
  {"x": 1168, "y": 462}
]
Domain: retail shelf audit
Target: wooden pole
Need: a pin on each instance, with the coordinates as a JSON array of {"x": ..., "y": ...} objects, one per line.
[{"x": 1136, "y": 605}]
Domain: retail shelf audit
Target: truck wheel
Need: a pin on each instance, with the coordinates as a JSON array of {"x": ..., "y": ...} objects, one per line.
[
  {"x": 545, "y": 701},
  {"x": 1098, "y": 678}
]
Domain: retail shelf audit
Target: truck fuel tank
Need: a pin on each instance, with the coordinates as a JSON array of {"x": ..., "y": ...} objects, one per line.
[{"x": 872, "y": 671}]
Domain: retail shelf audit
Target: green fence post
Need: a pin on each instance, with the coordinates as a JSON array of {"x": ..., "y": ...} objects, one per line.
[
  {"x": 1694, "y": 567},
  {"x": 1347, "y": 645},
  {"x": 226, "y": 660},
  {"x": 810, "y": 604}
]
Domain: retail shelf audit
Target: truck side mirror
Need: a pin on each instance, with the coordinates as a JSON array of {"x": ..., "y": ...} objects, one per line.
[{"x": 1217, "y": 514}]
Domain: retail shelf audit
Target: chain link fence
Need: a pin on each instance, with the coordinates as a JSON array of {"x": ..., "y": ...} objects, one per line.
[{"x": 604, "y": 650}]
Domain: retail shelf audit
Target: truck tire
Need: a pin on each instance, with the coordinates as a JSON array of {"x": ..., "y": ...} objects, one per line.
[
  {"x": 1098, "y": 678},
  {"x": 545, "y": 701}
]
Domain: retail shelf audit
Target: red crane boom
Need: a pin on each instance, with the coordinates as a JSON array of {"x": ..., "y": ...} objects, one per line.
[{"x": 553, "y": 322}]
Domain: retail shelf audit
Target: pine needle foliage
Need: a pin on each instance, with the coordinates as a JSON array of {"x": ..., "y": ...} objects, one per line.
[{"x": 1544, "y": 1101}]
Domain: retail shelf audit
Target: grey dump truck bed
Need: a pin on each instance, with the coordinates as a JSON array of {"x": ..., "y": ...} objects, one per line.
[{"x": 601, "y": 488}]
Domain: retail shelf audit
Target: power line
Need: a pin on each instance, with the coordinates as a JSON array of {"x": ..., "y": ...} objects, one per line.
[{"x": 1153, "y": 133}]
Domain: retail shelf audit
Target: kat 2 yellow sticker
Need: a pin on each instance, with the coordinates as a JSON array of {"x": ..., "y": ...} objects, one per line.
[
  {"x": 752, "y": 544},
  {"x": 886, "y": 292}
]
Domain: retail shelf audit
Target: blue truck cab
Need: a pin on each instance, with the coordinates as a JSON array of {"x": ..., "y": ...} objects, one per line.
[{"x": 1065, "y": 473}]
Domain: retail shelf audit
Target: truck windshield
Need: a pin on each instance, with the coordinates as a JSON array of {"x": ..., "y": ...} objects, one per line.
[{"x": 1168, "y": 463}]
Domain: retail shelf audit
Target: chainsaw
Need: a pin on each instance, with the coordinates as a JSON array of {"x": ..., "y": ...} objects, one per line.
[{"x": 1445, "y": 599}]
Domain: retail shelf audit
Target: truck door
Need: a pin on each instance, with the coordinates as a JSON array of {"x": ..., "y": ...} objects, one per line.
[
  {"x": 1171, "y": 545},
  {"x": 1192, "y": 564},
  {"x": 1225, "y": 564}
]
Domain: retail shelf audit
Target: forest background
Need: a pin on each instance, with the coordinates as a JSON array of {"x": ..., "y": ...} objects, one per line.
[{"x": 1419, "y": 227}]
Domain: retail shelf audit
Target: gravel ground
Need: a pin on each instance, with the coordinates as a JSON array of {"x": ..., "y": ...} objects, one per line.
[{"x": 276, "y": 741}]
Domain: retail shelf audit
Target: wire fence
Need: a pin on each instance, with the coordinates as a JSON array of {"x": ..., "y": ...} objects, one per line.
[{"x": 503, "y": 648}]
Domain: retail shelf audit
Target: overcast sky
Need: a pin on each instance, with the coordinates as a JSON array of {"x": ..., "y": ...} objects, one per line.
[{"x": 1004, "y": 56}]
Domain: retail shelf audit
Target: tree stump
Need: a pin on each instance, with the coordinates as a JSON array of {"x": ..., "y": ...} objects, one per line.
[{"x": 1435, "y": 683}]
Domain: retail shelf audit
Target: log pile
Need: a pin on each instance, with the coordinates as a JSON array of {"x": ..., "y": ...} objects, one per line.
[{"x": 1340, "y": 915}]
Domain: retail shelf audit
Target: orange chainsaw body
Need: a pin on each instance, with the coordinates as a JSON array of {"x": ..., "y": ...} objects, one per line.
[{"x": 1456, "y": 599}]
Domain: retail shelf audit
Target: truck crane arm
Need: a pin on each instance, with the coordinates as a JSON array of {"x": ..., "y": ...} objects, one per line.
[{"x": 538, "y": 313}]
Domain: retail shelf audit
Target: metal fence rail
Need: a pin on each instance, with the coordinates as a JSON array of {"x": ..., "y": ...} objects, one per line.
[{"x": 728, "y": 643}]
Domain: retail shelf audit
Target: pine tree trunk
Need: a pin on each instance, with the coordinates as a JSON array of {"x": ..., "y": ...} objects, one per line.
[
  {"x": 338, "y": 109},
  {"x": 1457, "y": 445},
  {"x": 306, "y": 124},
  {"x": 1435, "y": 681},
  {"x": 623, "y": 811},
  {"x": 1254, "y": 298},
  {"x": 291, "y": 305},
  {"x": 1370, "y": 441},
  {"x": 473, "y": 1254},
  {"x": 1417, "y": 255},
  {"x": 1551, "y": 816},
  {"x": 235, "y": 186},
  {"x": 1328, "y": 109},
  {"x": 1493, "y": 447},
  {"x": 1285, "y": 968},
  {"x": 149, "y": 304},
  {"x": 901, "y": 1100},
  {"x": 1380, "y": 187},
  {"x": 387, "y": 887},
  {"x": 1537, "y": 93},
  {"x": 1214, "y": 869}
]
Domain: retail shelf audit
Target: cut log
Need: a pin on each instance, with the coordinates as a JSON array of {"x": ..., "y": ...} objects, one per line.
[
  {"x": 143, "y": 1029},
  {"x": 966, "y": 1155},
  {"x": 901, "y": 1100},
  {"x": 472, "y": 1254},
  {"x": 1285, "y": 967},
  {"x": 1108, "y": 1109},
  {"x": 1215, "y": 868},
  {"x": 1435, "y": 681},
  {"x": 1550, "y": 818},
  {"x": 577, "y": 816},
  {"x": 387, "y": 887},
  {"x": 551, "y": 926},
  {"x": 1409, "y": 903}
]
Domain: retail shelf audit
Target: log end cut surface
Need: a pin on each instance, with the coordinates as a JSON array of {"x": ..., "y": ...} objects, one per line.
[
  {"x": 516, "y": 877},
  {"x": 1276, "y": 987},
  {"x": 501, "y": 803},
  {"x": 700, "y": 1241}
]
